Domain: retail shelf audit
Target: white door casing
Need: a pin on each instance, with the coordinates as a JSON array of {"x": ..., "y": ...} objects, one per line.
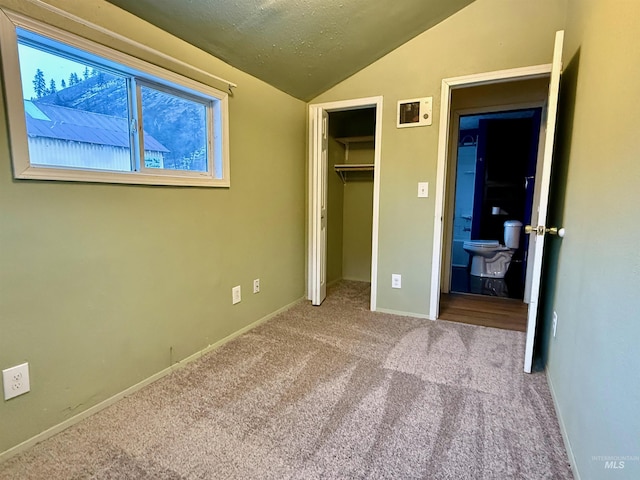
[{"x": 542, "y": 207}]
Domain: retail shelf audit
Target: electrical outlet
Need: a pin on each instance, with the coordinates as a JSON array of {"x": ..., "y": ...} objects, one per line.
[
  {"x": 256, "y": 285},
  {"x": 236, "y": 294},
  {"x": 555, "y": 322},
  {"x": 423, "y": 189},
  {"x": 396, "y": 280},
  {"x": 16, "y": 381}
]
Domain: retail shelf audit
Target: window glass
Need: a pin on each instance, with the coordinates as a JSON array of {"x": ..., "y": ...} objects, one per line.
[
  {"x": 179, "y": 125},
  {"x": 76, "y": 114}
]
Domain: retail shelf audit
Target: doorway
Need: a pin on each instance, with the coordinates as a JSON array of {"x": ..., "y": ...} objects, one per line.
[
  {"x": 493, "y": 173},
  {"x": 351, "y": 155},
  {"x": 496, "y": 128},
  {"x": 344, "y": 166},
  {"x": 499, "y": 195},
  {"x": 500, "y": 81}
]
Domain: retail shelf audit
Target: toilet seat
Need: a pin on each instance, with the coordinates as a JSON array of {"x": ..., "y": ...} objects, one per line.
[
  {"x": 493, "y": 245},
  {"x": 482, "y": 243}
]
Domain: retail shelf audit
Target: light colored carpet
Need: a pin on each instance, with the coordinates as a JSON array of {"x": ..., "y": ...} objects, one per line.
[{"x": 326, "y": 392}]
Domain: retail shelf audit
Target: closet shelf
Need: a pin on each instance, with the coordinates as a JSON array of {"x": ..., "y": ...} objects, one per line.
[
  {"x": 343, "y": 169},
  {"x": 348, "y": 140}
]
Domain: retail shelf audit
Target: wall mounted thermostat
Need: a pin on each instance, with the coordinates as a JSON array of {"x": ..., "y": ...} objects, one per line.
[{"x": 415, "y": 112}]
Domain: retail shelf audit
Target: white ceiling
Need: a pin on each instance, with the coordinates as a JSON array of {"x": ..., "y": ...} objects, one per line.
[{"x": 302, "y": 47}]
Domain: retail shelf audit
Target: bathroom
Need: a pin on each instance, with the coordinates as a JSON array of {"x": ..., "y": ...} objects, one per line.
[{"x": 494, "y": 189}]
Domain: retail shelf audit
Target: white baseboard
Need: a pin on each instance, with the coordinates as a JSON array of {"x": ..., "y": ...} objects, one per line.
[
  {"x": 404, "y": 314},
  {"x": 563, "y": 430},
  {"x": 50, "y": 432}
]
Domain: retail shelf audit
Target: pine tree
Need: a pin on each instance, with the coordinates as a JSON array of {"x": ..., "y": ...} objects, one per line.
[
  {"x": 52, "y": 87},
  {"x": 39, "y": 84},
  {"x": 73, "y": 79},
  {"x": 86, "y": 74},
  {"x": 63, "y": 84}
]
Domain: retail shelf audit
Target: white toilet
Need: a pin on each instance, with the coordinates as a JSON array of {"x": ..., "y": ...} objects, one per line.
[{"x": 488, "y": 257}]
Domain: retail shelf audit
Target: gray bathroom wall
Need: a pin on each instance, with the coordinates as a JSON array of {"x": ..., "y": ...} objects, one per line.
[{"x": 463, "y": 209}]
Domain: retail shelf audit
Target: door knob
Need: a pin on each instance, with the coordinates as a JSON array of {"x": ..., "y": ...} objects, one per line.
[
  {"x": 541, "y": 230},
  {"x": 555, "y": 231}
]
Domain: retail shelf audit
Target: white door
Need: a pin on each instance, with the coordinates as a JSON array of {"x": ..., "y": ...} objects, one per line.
[
  {"x": 538, "y": 232},
  {"x": 319, "y": 207}
]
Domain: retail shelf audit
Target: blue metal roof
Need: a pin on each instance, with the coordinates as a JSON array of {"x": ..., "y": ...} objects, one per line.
[{"x": 54, "y": 121}]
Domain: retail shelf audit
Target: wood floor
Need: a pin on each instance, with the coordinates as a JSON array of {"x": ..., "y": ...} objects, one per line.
[{"x": 506, "y": 313}]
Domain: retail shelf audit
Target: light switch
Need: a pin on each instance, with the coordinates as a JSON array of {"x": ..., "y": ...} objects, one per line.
[{"x": 423, "y": 189}]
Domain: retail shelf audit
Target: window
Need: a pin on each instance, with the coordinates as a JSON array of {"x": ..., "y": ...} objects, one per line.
[{"x": 81, "y": 111}]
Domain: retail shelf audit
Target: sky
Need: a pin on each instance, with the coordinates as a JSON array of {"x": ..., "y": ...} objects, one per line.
[{"x": 52, "y": 66}]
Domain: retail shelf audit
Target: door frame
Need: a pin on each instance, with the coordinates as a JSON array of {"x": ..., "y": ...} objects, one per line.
[
  {"x": 314, "y": 157},
  {"x": 448, "y": 85}
]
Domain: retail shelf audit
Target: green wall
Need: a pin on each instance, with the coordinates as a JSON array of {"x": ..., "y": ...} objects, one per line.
[
  {"x": 102, "y": 286},
  {"x": 485, "y": 36},
  {"x": 593, "y": 274},
  {"x": 358, "y": 216},
  {"x": 335, "y": 211}
]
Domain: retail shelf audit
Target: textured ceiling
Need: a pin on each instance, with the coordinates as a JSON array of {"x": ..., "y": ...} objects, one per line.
[{"x": 302, "y": 47}]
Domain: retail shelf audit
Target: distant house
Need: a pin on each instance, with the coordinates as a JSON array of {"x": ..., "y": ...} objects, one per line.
[{"x": 66, "y": 137}]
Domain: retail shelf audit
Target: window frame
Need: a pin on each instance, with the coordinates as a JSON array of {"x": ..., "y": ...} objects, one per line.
[{"x": 141, "y": 73}]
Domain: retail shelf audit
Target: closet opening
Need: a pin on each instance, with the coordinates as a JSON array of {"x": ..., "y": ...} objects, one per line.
[
  {"x": 350, "y": 187},
  {"x": 344, "y": 186}
]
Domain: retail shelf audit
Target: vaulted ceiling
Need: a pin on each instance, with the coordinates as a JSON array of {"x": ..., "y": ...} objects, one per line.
[{"x": 302, "y": 47}]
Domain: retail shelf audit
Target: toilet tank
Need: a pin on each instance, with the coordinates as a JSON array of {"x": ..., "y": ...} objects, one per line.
[{"x": 512, "y": 229}]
